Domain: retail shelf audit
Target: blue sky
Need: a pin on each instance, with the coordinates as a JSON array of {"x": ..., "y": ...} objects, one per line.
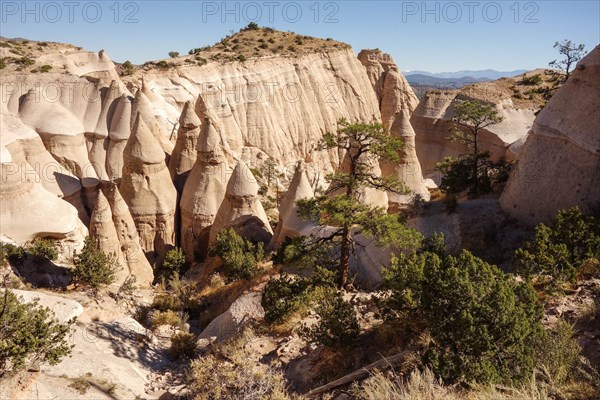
[{"x": 435, "y": 36}]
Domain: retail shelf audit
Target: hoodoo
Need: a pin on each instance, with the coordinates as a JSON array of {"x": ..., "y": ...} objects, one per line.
[
  {"x": 241, "y": 209},
  {"x": 184, "y": 154},
  {"x": 290, "y": 223},
  {"x": 148, "y": 190},
  {"x": 203, "y": 192}
]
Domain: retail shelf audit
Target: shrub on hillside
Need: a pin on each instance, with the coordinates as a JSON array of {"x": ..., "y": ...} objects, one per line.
[
  {"x": 42, "y": 250},
  {"x": 183, "y": 344},
  {"x": 337, "y": 326},
  {"x": 240, "y": 257},
  {"x": 92, "y": 267},
  {"x": 240, "y": 377},
  {"x": 174, "y": 262},
  {"x": 483, "y": 324},
  {"x": 558, "y": 352},
  {"x": 561, "y": 248},
  {"x": 29, "y": 333},
  {"x": 532, "y": 80}
]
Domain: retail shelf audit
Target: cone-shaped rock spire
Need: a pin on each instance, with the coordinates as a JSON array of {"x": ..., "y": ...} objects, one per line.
[
  {"x": 289, "y": 222},
  {"x": 203, "y": 192},
  {"x": 147, "y": 188},
  {"x": 241, "y": 209}
]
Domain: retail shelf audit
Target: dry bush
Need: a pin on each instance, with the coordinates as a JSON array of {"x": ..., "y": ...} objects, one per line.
[
  {"x": 423, "y": 385},
  {"x": 231, "y": 372}
]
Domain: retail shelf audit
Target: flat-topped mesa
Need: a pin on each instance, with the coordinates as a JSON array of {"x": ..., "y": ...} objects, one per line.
[
  {"x": 290, "y": 224},
  {"x": 241, "y": 209},
  {"x": 184, "y": 154},
  {"x": 147, "y": 188},
  {"x": 119, "y": 132},
  {"x": 559, "y": 164},
  {"x": 28, "y": 211},
  {"x": 408, "y": 170},
  {"x": 135, "y": 259},
  {"x": 203, "y": 192},
  {"x": 391, "y": 88}
]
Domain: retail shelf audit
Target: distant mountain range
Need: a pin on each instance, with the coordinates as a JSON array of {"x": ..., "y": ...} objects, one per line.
[
  {"x": 423, "y": 81},
  {"x": 480, "y": 75}
]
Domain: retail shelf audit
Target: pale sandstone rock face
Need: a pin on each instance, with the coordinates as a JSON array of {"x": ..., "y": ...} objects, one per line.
[
  {"x": 184, "y": 154},
  {"x": 432, "y": 123},
  {"x": 241, "y": 208},
  {"x": 559, "y": 164},
  {"x": 397, "y": 103},
  {"x": 392, "y": 89},
  {"x": 290, "y": 224},
  {"x": 279, "y": 105},
  {"x": 119, "y": 132},
  {"x": 129, "y": 239},
  {"x": 203, "y": 192},
  {"x": 103, "y": 229},
  {"x": 29, "y": 211},
  {"x": 148, "y": 190},
  {"x": 408, "y": 170}
]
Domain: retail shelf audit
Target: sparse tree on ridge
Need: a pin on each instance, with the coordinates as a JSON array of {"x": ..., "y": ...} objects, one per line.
[{"x": 572, "y": 54}]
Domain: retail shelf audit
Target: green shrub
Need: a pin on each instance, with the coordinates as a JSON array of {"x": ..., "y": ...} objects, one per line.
[
  {"x": 240, "y": 257},
  {"x": 29, "y": 333},
  {"x": 92, "y": 267},
  {"x": 128, "y": 68},
  {"x": 337, "y": 326},
  {"x": 45, "y": 68},
  {"x": 163, "y": 64},
  {"x": 252, "y": 26},
  {"x": 241, "y": 58},
  {"x": 183, "y": 344},
  {"x": 483, "y": 324},
  {"x": 26, "y": 61},
  {"x": 264, "y": 46},
  {"x": 282, "y": 296},
  {"x": 173, "y": 54},
  {"x": 2, "y": 63},
  {"x": 561, "y": 248},
  {"x": 558, "y": 352},
  {"x": 174, "y": 262},
  {"x": 271, "y": 40},
  {"x": 42, "y": 250},
  {"x": 11, "y": 253},
  {"x": 532, "y": 80}
]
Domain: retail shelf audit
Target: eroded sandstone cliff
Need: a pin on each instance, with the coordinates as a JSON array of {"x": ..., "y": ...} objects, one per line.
[{"x": 559, "y": 164}]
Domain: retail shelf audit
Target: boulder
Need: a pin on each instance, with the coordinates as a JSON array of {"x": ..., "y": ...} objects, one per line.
[{"x": 245, "y": 309}]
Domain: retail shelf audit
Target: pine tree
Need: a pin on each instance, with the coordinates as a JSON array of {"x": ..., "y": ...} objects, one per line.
[{"x": 340, "y": 208}]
